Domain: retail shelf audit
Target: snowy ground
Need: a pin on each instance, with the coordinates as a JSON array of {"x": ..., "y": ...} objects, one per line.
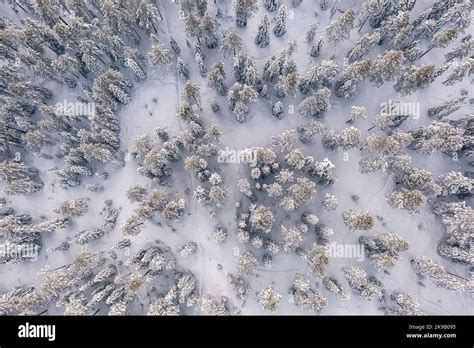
[{"x": 142, "y": 115}]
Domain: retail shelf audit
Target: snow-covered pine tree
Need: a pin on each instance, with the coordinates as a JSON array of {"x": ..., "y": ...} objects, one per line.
[
  {"x": 415, "y": 78},
  {"x": 269, "y": 299},
  {"x": 216, "y": 78},
  {"x": 147, "y": 16},
  {"x": 340, "y": 28},
  {"x": 231, "y": 43},
  {"x": 158, "y": 54},
  {"x": 460, "y": 71},
  {"x": 313, "y": 27},
  {"x": 386, "y": 67},
  {"x": 182, "y": 68},
  {"x": 316, "y": 104},
  {"x": 358, "y": 220}
]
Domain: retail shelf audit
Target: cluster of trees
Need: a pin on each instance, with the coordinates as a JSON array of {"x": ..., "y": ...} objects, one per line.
[
  {"x": 156, "y": 200},
  {"x": 383, "y": 249}
]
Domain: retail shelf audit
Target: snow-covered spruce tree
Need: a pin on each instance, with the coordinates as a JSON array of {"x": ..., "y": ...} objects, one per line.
[
  {"x": 349, "y": 138},
  {"x": 65, "y": 63},
  {"x": 280, "y": 19},
  {"x": 361, "y": 283},
  {"x": 136, "y": 193},
  {"x": 198, "y": 166},
  {"x": 380, "y": 144},
  {"x": 263, "y": 35},
  {"x": 298, "y": 159},
  {"x": 243, "y": 10},
  {"x": 246, "y": 264},
  {"x": 316, "y": 104},
  {"x": 9, "y": 300},
  {"x": 340, "y": 28},
  {"x": 425, "y": 267},
  {"x": 271, "y": 5},
  {"x": 358, "y": 220},
  {"x": 231, "y": 43},
  {"x": 383, "y": 250},
  {"x": 155, "y": 165},
  {"x": 269, "y": 299}
]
